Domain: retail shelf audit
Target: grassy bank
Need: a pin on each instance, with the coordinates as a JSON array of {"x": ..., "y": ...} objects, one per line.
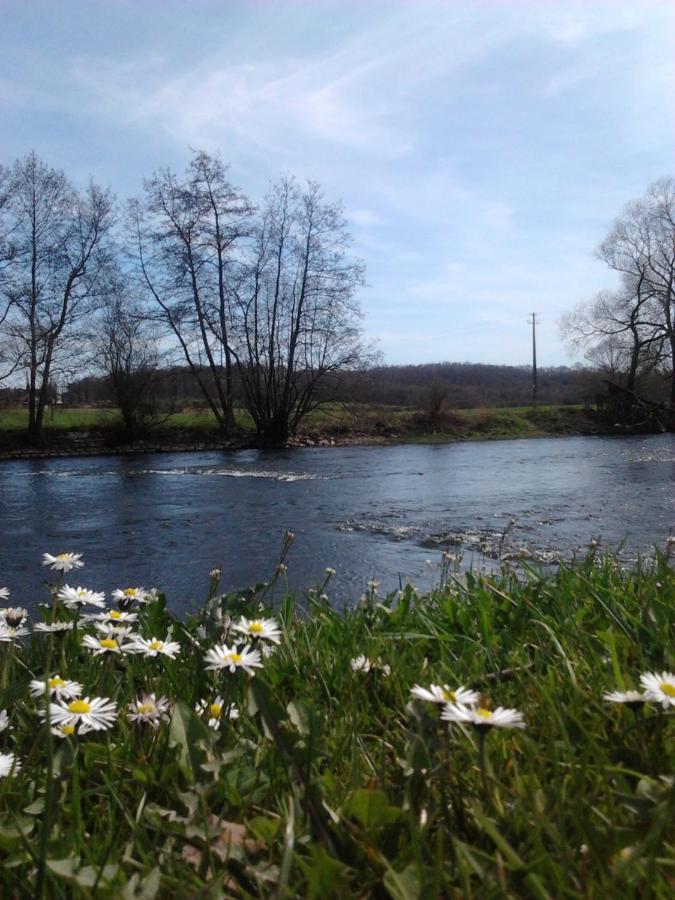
[
  {"x": 333, "y": 781},
  {"x": 94, "y": 430}
]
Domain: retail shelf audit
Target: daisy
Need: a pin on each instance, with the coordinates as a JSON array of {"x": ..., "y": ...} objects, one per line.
[
  {"x": 4, "y": 593},
  {"x": 263, "y": 629},
  {"x": 56, "y": 687},
  {"x": 9, "y": 764},
  {"x": 112, "y": 630},
  {"x": 483, "y": 718},
  {"x": 232, "y": 658},
  {"x": 632, "y": 698},
  {"x": 101, "y": 645},
  {"x": 659, "y": 687},
  {"x": 73, "y": 598},
  {"x": 85, "y": 715},
  {"x": 217, "y": 712},
  {"x": 363, "y": 664},
  {"x": 130, "y": 595},
  {"x": 63, "y": 562},
  {"x": 63, "y": 730},
  {"x": 438, "y": 693},
  {"x": 4, "y": 719},
  {"x": 53, "y": 627},
  {"x": 14, "y": 616},
  {"x": 330, "y": 571},
  {"x": 116, "y": 615},
  {"x": 154, "y": 647},
  {"x": 9, "y": 634},
  {"x": 149, "y": 710}
]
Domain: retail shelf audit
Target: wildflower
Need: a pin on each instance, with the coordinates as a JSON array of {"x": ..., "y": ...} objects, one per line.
[
  {"x": 113, "y": 616},
  {"x": 56, "y": 687},
  {"x": 63, "y": 730},
  {"x": 215, "y": 573},
  {"x": 282, "y": 567},
  {"x": 330, "y": 571},
  {"x": 263, "y": 629},
  {"x": 4, "y": 719},
  {"x": 4, "y": 593},
  {"x": 9, "y": 633},
  {"x": 63, "y": 562},
  {"x": 9, "y": 764},
  {"x": 363, "y": 664},
  {"x": 631, "y": 698},
  {"x": 101, "y": 645},
  {"x": 483, "y": 718},
  {"x": 53, "y": 627},
  {"x": 438, "y": 693},
  {"x": 95, "y": 714},
  {"x": 126, "y": 596},
  {"x": 154, "y": 647},
  {"x": 111, "y": 630},
  {"x": 373, "y": 584},
  {"x": 14, "y": 616},
  {"x": 232, "y": 658},
  {"x": 659, "y": 688},
  {"x": 149, "y": 710},
  {"x": 217, "y": 711},
  {"x": 74, "y": 598}
]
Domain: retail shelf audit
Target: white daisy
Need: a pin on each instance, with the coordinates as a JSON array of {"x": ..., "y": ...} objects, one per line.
[
  {"x": 113, "y": 630},
  {"x": 116, "y": 616},
  {"x": 63, "y": 562},
  {"x": 9, "y": 634},
  {"x": 63, "y": 730},
  {"x": 9, "y": 764},
  {"x": 85, "y": 715},
  {"x": 330, "y": 571},
  {"x": 217, "y": 711},
  {"x": 56, "y": 687},
  {"x": 629, "y": 697},
  {"x": 363, "y": 664},
  {"x": 659, "y": 687},
  {"x": 149, "y": 710},
  {"x": 130, "y": 595},
  {"x": 482, "y": 718},
  {"x": 4, "y": 593},
  {"x": 155, "y": 647},
  {"x": 74, "y": 598},
  {"x": 233, "y": 658},
  {"x": 4, "y": 719},
  {"x": 263, "y": 629},
  {"x": 53, "y": 627},
  {"x": 14, "y": 616},
  {"x": 101, "y": 645},
  {"x": 441, "y": 693}
]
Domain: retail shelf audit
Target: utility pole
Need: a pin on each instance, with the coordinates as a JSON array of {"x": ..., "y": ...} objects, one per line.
[{"x": 534, "y": 358}]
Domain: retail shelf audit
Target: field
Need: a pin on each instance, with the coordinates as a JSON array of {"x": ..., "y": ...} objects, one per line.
[{"x": 333, "y": 780}]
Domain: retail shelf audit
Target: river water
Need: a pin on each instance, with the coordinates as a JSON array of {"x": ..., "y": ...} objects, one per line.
[{"x": 369, "y": 512}]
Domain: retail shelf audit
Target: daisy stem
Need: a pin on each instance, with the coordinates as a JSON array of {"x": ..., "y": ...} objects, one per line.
[{"x": 482, "y": 736}]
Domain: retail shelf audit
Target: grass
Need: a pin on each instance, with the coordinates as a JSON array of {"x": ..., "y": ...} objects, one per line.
[{"x": 332, "y": 783}]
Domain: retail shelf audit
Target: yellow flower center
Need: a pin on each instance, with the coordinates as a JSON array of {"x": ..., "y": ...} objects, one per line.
[
  {"x": 130, "y": 592},
  {"x": 68, "y": 729},
  {"x": 79, "y": 706},
  {"x": 235, "y": 658},
  {"x": 81, "y": 592},
  {"x": 256, "y": 628},
  {"x": 448, "y": 695},
  {"x": 144, "y": 708},
  {"x": 56, "y": 682},
  {"x": 156, "y": 645},
  {"x": 484, "y": 713},
  {"x": 115, "y": 614},
  {"x": 108, "y": 643},
  {"x": 667, "y": 688},
  {"x": 63, "y": 556},
  {"x": 215, "y": 710}
]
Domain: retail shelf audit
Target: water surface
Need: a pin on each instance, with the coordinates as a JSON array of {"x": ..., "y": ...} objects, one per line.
[{"x": 167, "y": 519}]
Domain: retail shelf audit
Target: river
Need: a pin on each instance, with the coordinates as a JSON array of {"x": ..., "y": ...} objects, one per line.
[{"x": 369, "y": 512}]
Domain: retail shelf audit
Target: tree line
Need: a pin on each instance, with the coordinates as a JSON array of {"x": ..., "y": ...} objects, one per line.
[{"x": 262, "y": 296}]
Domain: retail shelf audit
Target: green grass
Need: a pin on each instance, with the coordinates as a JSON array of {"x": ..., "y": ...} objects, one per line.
[{"x": 332, "y": 783}]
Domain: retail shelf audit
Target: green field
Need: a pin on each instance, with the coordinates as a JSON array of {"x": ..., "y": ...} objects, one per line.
[{"x": 333, "y": 782}]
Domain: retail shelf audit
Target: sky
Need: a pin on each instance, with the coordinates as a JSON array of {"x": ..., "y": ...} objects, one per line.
[{"x": 481, "y": 150}]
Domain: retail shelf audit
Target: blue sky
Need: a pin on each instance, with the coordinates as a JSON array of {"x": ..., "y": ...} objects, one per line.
[{"x": 481, "y": 149}]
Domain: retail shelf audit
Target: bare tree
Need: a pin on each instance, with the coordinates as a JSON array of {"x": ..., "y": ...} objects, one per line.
[
  {"x": 298, "y": 325},
  {"x": 50, "y": 283},
  {"x": 185, "y": 234},
  {"x": 126, "y": 347}
]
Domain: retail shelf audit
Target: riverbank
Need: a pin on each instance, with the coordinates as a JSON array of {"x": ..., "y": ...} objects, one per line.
[
  {"x": 89, "y": 432},
  {"x": 317, "y": 753}
]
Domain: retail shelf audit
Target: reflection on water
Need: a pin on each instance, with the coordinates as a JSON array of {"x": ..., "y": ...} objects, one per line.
[{"x": 167, "y": 519}]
